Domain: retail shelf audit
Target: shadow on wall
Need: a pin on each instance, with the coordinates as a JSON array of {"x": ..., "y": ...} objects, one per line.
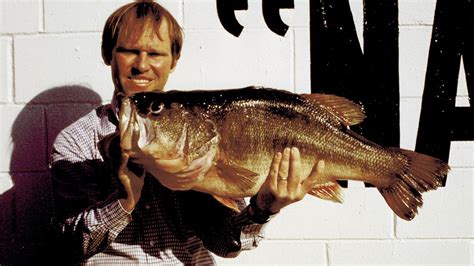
[{"x": 26, "y": 208}]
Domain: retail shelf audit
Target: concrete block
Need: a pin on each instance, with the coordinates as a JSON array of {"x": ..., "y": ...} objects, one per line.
[
  {"x": 7, "y": 218},
  {"x": 281, "y": 253},
  {"x": 411, "y": 12},
  {"x": 67, "y": 94},
  {"x": 413, "y": 54},
  {"x": 6, "y": 183},
  {"x": 416, "y": 12},
  {"x": 252, "y": 18},
  {"x": 472, "y": 253},
  {"x": 6, "y": 68},
  {"x": 461, "y": 154},
  {"x": 59, "y": 116},
  {"x": 364, "y": 214},
  {"x": 357, "y": 9},
  {"x": 429, "y": 252},
  {"x": 462, "y": 98},
  {"x": 194, "y": 17},
  {"x": 410, "y": 109},
  {"x": 201, "y": 14},
  {"x": 32, "y": 215},
  {"x": 212, "y": 60},
  {"x": 23, "y": 139},
  {"x": 296, "y": 17},
  {"x": 302, "y": 60},
  {"x": 21, "y": 16},
  {"x": 447, "y": 212},
  {"x": 62, "y": 16},
  {"x": 43, "y": 62}
]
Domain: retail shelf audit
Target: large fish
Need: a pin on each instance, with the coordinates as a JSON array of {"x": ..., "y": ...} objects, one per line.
[{"x": 245, "y": 127}]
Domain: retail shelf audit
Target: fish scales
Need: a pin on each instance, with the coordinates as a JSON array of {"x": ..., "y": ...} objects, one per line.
[
  {"x": 270, "y": 131},
  {"x": 247, "y": 126}
]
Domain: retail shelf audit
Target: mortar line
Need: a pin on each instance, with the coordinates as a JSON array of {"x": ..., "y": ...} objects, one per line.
[
  {"x": 182, "y": 13},
  {"x": 293, "y": 61},
  {"x": 43, "y": 17},
  {"x": 13, "y": 75},
  {"x": 327, "y": 254},
  {"x": 395, "y": 235},
  {"x": 44, "y": 109}
]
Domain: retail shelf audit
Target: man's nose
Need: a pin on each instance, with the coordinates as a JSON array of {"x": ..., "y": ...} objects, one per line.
[{"x": 141, "y": 62}]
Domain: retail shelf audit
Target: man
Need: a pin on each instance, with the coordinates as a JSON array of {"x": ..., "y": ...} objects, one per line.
[{"x": 117, "y": 213}]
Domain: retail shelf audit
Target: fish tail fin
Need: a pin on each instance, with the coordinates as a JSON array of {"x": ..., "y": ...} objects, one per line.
[{"x": 420, "y": 173}]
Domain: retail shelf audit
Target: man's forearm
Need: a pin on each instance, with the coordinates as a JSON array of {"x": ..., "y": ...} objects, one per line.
[{"x": 92, "y": 230}]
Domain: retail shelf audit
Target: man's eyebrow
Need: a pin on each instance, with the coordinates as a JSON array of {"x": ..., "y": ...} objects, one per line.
[{"x": 123, "y": 49}]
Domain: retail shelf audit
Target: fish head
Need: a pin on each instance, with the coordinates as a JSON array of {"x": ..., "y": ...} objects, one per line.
[{"x": 167, "y": 129}]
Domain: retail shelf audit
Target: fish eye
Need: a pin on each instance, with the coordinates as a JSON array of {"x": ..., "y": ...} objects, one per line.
[{"x": 155, "y": 108}]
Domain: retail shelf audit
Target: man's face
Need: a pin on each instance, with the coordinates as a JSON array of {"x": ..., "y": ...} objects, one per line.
[{"x": 142, "y": 62}]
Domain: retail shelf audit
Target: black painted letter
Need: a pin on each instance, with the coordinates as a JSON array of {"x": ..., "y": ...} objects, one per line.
[
  {"x": 338, "y": 65},
  {"x": 271, "y": 14},
  {"x": 225, "y": 11}
]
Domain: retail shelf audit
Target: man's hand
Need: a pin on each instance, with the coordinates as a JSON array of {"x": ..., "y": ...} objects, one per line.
[
  {"x": 284, "y": 185},
  {"x": 132, "y": 184}
]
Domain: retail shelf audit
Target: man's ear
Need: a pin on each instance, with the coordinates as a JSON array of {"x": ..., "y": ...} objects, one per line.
[
  {"x": 106, "y": 57},
  {"x": 173, "y": 64}
]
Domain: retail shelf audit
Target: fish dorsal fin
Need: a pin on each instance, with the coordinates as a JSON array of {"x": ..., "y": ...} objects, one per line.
[
  {"x": 239, "y": 177},
  {"x": 344, "y": 109},
  {"x": 228, "y": 202},
  {"x": 328, "y": 191}
]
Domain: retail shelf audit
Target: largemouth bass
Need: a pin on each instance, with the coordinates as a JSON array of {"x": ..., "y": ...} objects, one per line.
[{"x": 245, "y": 127}]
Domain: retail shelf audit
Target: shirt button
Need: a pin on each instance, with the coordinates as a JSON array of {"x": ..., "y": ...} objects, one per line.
[{"x": 152, "y": 243}]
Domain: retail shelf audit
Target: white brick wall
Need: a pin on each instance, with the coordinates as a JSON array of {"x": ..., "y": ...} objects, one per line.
[
  {"x": 248, "y": 60},
  {"x": 51, "y": 72},
  {"x": 5, "y": 68},
  {"x": 399, "y": 252},
  {"x": 23, "y": 140},
  {"x": 21, "y": 16},
  {"x": 59, "y": 59}
]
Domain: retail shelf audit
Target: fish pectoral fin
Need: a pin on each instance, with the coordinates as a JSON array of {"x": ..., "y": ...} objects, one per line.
[
  {"x": 328, "y": 191},
  {"x": 348, "y": 112},
  {"x": 236, "y": 176},
  {"x": 228, "y": 202}
]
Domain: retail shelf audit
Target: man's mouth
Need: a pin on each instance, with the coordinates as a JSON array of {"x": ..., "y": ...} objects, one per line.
[{"x": 140, "y": 81}]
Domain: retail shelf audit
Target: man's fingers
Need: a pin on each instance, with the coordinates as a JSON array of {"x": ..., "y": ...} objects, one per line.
[
  {"x": 282, "y": 177},
  {"x": 123, "y": 163},
  {"x": 273, "y": 174},
  {"x": 294, "y": 170}
]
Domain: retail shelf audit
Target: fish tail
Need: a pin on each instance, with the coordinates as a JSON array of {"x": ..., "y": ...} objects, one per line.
[{"x": 419, "y": 173}]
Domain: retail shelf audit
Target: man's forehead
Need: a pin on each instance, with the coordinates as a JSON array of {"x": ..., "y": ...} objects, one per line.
[{"x": 134, "y": 29}]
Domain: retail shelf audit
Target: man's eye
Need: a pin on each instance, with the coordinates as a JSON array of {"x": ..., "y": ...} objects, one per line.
[
  {"x": 154, "y": 54},
  {"x": 127, "y": 51}
]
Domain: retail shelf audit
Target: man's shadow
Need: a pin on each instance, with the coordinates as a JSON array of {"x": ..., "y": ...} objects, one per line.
[{"x": 26, "y": 209}]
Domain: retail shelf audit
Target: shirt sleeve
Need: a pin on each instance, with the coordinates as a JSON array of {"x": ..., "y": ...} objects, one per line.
[
  {"x": 251, "y": 233},
  {"x": 222, "y": 231},
  {"x": 87, "y": 213}
]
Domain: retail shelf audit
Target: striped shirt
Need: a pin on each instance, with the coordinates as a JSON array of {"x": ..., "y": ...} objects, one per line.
[{"x": 166, "y": 227}]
